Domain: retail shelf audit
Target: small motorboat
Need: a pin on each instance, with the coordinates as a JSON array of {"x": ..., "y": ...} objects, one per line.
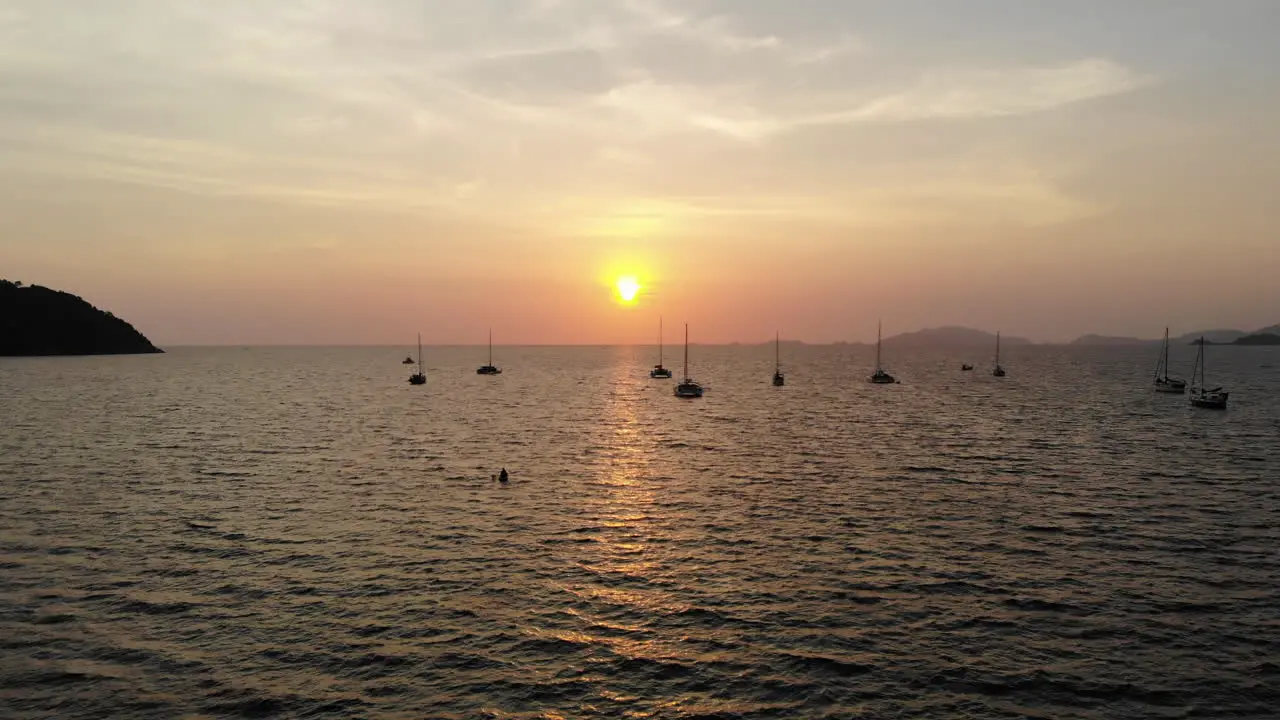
[
  {"x": 966, "y": 367},
  {"x": 408, "y": 361}
]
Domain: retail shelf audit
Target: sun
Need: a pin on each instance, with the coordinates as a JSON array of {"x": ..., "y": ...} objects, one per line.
[{"x": 628, "y": 288}]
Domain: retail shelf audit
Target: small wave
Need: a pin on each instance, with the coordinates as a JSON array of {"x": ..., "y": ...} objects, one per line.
[
  {"x": 1038, "y": 605},
  {"x": 1044, "y": 685},
  {"x": 959, "y": 587},
  {"x": 143, "y": 607},
  {"x": 47, "y": 678},
  {"x": 808, "y": 664},
  {"x": 655, "y": 669},
  {"x": 1048, "y": 529},
  {"x": 55, "y": 619},
  {"x": 550, "y": 646},
  {"x": 222, "y": 553},
  {"x": 1193, "y": 608}
]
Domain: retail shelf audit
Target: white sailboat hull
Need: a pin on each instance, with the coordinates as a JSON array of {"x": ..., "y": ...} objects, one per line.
[
  {"x": 1211, "y": 399},
  {"x": 1202, "y": 397}
]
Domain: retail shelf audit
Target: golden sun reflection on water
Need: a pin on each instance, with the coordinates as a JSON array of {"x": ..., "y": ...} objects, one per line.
[{"x": 628, "y": 561}]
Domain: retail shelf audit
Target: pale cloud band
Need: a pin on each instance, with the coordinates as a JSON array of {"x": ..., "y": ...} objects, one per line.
[{"x": 421, "y": 106}]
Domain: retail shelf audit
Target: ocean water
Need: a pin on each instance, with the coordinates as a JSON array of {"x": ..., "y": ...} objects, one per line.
[{"x": 298, "y": 532}]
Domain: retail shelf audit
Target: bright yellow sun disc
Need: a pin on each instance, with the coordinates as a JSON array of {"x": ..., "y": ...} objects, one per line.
[{"x": 628, "y": 288}]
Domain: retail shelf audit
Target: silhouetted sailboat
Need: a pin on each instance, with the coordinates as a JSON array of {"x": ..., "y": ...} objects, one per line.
[
  {"x": 880, "y": 377},
  {"x": 407, "y": 360},
  {"x": 687, "y": 388},
  {"x": 778, "y": 380},
  {"x": 1214, "y": 399},
  {"x": 998, "y": 370},
  {"x": 658, "y": 370},
  {"x": 489, "y": 369},
  {"x": 1163, "y": 383},
  {"x": 420, "y": 377}
]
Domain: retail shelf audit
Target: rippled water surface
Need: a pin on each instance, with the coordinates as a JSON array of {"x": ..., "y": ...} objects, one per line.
[{"x": 300, "y": 533}]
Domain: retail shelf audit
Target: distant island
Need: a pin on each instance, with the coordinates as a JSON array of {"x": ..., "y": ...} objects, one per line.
[
  {"x": 951, "y": 335},
  {"x": 1110, "y": 340},
  {"x": 1211, "y": 337},
  {"x": 36, "y": 320},
  {"x": 1260, "y": 338}
]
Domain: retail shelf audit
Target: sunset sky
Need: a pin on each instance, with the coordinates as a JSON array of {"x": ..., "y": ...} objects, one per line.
[{"x": 325, "y": 171}]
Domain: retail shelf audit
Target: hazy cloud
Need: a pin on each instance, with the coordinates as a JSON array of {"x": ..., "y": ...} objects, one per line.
[{"x": 653, "y": 120}]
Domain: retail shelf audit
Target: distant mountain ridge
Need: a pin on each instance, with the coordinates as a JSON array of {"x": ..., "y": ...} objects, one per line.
[
  {"x": 1110, "y": 340},
  {"x": 1259, "y": 338},
  {"x": 1213, "y": 337},
  {"x": 36, "y": 320},
  {"x": 951, "y": 335}
]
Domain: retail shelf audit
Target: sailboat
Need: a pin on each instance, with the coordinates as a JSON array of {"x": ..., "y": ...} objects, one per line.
[
  {"x": 489, "y": 369},
  {"x": 998, "y": 370},
  {"x": 880, "y": 377},
  {"x": 407, "y": 361},
  {"x": 778, "y": 380},
  {"x": 1163, "y": 383},
  {"x": 687, "y": 388},
  {"x": 1202, "y": 397},
  {"x": 658, "y": 371},
  {"x": 420, "y": 377}
]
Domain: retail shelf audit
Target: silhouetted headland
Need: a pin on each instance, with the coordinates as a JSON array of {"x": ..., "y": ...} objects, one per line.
[
  {"x": 1259, "y": 338},
  {"x": 1211, "y": 337},
  {"x": 36, "y": 320}
]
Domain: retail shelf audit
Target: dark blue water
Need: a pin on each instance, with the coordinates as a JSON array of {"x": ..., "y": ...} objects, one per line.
[{"x": 300, "y": 533}]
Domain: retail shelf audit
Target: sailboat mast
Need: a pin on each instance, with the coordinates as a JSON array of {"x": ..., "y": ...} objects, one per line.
[
  {"x": 1201, "y": 358},
  {"x": 878, "y": 325},
  {"x": 686, "y": 351},
  {"x": 491, "y": 346},
  {"x": 659, "y": 341},
  {"x": 997, "y": 347},
  {"x": 420, "y": 353},
  {"x": 777, "y": 351},
  {"x": 1164, "y": 355}
]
